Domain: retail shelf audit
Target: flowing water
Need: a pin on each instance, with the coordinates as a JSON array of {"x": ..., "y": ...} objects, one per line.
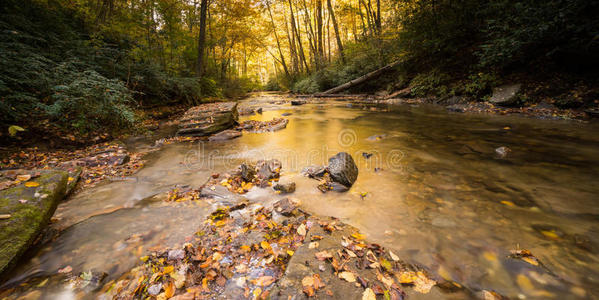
[{"x": 434, "y": 190}]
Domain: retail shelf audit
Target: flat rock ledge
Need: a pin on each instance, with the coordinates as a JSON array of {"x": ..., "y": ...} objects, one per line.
[
  {"x": 26, "y": 209},
  {"x": 208, "y": 119}
]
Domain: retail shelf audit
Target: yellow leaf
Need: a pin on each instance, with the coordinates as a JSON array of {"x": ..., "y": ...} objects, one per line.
[
  {"x": 169, "y": 290},
  {"x": 530, "y": 260},
  {"x": 508, "y": 203},
  {"x": 358, "y": 236},
  {"x": 550, "y": 234},
  {"x": 290, "y": 252},
  {"x": 246, "y": 248},
  {"x": 257, "y": 292},
  {"x": 265, "y": 245},
  {"x": 70, "y": 178},
  {"x": 31, "y": 184},
  {"x": 168, "y": 269}
]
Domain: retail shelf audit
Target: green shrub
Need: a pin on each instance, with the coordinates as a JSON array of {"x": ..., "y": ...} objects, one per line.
[
  {"x": 431, "y": 83},
  {"x": 480, "y": 84},
  {"x": 307, "y": 85},
  {"x": 90, "y": 102}
]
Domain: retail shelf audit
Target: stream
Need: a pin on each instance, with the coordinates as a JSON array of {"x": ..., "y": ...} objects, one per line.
[{"x": 434, "y": 190}]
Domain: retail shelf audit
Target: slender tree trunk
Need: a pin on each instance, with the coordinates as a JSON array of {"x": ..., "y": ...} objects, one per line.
[
  {"x": 274, "y": 28},
  {"x": 319, "y": 33},
  {"x": 336, "y": 27},
  {"x": 202, "y": 38},
  {"x": 378, "y": 15},
  {"x": 295, "y": 30}
]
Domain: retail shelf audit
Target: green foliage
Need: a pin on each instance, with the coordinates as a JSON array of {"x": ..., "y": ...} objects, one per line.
[
  {"x": 307, "y": 85},
  {"x": 432, "y": 83},
  {"x": 272, "y": 84},
  {"x": 480, "y": 84},
  {"x": 520, "y": 30},
  {"x": 88, "y": 101}
]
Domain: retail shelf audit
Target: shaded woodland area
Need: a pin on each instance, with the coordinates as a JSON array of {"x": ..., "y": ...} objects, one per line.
[{"x": 86, "y": 67}]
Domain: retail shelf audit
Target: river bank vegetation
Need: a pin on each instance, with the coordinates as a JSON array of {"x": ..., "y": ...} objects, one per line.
[{"x": 85, "y": 68}]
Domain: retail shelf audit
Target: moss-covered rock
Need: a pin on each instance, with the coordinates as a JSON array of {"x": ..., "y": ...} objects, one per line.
[{"x": 29, "y": 208}]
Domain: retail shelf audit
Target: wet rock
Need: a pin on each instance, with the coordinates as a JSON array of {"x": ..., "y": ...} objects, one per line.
[
  {"x": 176, "y": 254},
  {"x": 28, "y": 218},
  {"x": 457, "y": 108},
  {"x": 314, "y": 171},
  {"x": 502, "y": 151},
  {"x": 267, "y": 169},
  {"x": 286, "y": 114},
  {"x": 259, "y": 110},
  {"x": 247, "y": 172},
  {"x": 155, "y": 289},
  {"x": 366, "y": 155},
  {"x": 343, "y": 169},
  {"x": 225, "y": 135},
  {"x": 505, "y": 94},
  {"x": 298, "y": 102},
  {"x": 285, "y": 207},
  {"x": 285, "y": 188},
  {"x": 592, "y": 112},
  {"x": 72, "y": 180},
  {"x": 208, "y": 119},
  {"x": 275, "y": 124}
]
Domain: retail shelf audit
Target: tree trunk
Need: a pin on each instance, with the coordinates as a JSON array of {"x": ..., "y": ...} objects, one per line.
[
  {"x": 294, "y": 28},
  {"x": 202, "y": 38},
  {"x": 319, "y": 27},
  {"x": 339, "y": 44},
  {"x": 274, "y": 28},
  {"x": 360, "y": 80}
]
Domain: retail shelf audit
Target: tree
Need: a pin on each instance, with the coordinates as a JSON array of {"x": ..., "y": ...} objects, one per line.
[{"x": 202, "y": 37}]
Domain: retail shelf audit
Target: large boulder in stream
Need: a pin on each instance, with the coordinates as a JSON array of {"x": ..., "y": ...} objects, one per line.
[
  {"x": 343, "y": 169},
  {"x": 207, "y": 119},
  {"x": 25, "y": 210},
  {"x": 505, "y": 94}
]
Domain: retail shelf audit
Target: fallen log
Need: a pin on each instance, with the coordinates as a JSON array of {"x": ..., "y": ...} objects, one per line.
[{"x": 360, "y": 80}]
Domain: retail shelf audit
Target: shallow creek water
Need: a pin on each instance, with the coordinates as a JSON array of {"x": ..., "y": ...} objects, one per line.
[{"x": 434, "y": 191}]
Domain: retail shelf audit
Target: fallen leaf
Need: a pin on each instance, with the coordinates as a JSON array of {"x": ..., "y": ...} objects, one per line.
[
  {"x": 301, "y": 230},
  {"x": 308, "y": 281},
  {"x": 393, "y": 256},
  {"x": 31, "y": 184},
  {"x": 66, "y": 269},
  {"x": 169, "y": 290},
  {"x": 358, "y": 236},
  {"x": 313, "y": 245},
  {"x": 5, "y": 216},
  {"x": 368, "y": 295},
  {"x": 264, "y": 281},
  {"x": 168, "y": 269},
  {"x": 265, "y": 245},
  {"x": 348, "y": 276},
  {"x": 322, "y": 255},
  {"x": 23, "y": 177}
]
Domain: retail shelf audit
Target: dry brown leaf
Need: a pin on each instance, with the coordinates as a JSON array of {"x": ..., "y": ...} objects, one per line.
[
  {"x": 368, "y": 295},
  {"x": 323, "y": 255},
  {"x": 348, "y": 276},
  {"x": 264, "y": 281}
]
